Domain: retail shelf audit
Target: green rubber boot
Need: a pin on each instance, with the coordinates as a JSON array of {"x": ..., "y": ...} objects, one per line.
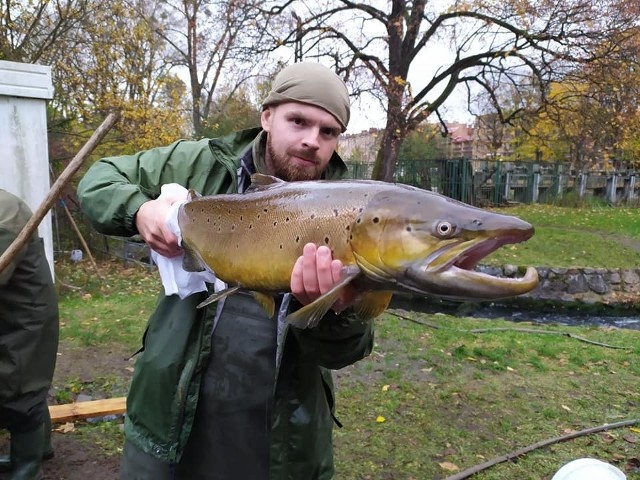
[
  {"x": 26, "y": 455},
  {"x": 47, "y": 454},
  {"x": 5, "y": 463}
]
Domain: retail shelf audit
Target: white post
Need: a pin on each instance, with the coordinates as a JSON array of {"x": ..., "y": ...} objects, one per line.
[{"x": 24, "y": 163}]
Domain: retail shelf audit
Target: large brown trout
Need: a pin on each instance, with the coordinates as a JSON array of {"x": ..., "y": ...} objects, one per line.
[{"x": 390, "y": 238}]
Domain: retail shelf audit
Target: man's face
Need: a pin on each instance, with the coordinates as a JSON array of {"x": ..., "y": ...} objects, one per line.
[{"x": 300, "y": 140}]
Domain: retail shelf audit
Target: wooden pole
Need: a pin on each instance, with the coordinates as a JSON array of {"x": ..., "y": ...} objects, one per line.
[
  {"x": 54, "y": 192},
  {"x": 82, "y": 240}
]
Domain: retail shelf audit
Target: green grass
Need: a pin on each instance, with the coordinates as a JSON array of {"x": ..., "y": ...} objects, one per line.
[
  {"x": 569, "y": 237},
  {"x": 111, "y": 307},
  {"x": 458, "y": 399}
]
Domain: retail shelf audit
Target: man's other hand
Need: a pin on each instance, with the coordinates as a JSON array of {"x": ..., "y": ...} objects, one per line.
[{"x": 151, "y": 224}]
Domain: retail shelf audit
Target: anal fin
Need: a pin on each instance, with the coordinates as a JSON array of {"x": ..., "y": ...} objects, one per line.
[
  {"x": 266, "y": 301},
  {"x": 372, "y": 304}
]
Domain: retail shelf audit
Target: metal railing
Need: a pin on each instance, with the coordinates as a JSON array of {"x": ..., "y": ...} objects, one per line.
[{"x": 481, "y": 182}]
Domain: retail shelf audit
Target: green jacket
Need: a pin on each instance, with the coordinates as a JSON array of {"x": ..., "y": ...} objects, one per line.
[
  {"x": 28, "y": 311},
  {"x": 165, "y": 386}
]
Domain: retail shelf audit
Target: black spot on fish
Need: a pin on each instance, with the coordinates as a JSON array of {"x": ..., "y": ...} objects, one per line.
[
  {"x": 335, "y": 212},
  {"x": 281, "y": 247},
  {"x": 358, "y": 220},
  {"x": 297, "y": 239},
  {"x": 250, "y": 226},
  {"x": 313, "y": 215},
  {"x": 233, "y": 227},
  {"x": 409, "y": 229},
  {"x": 326, "y": 240},
  {"x": 275, "y": 224},
  {"x": 240, "y": 217},
  {"x": 265, "y": 210},
  {"x": 286, "y": 219},
  {"x": 376, "y": 220},
  {"x": 348, "y": 227}
]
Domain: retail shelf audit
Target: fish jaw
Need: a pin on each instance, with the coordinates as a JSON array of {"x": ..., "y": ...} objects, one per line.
[
  {"x": 456, "y": 283},
  {"x": 449, "y": 272}
]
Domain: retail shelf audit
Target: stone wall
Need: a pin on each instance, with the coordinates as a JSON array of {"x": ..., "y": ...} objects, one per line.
[{"x": 581, "y": 285}]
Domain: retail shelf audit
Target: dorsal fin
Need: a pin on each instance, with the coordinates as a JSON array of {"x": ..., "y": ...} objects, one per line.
[
  {"x": 260, "y": 179},
  {"x": 192, "y": 195}
]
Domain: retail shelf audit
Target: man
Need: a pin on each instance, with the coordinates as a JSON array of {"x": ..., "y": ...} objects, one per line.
[
  {"x": 225, "y": 392},
  {"x": 28, "y": 345}
]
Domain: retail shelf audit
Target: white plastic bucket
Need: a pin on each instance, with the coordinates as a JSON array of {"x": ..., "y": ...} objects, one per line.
[{"x": 589, "y": 469}]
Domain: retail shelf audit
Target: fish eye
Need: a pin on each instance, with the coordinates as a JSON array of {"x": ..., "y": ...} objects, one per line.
[{"x": 445, "y": 229}]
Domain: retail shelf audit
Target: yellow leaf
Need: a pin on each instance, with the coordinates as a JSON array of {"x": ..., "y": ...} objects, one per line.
[
  {"x": 381, "y": 419},
  {"x": 635, "y": 430},
  {"x": 66, "y": 428},
  {"x": 566, "y": 408},
  {"x": 385, "y": 388},
  {"x": 450, "y": 467}
]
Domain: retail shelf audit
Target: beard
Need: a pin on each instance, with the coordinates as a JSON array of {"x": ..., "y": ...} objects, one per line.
[{"x": 285, "y": 170}]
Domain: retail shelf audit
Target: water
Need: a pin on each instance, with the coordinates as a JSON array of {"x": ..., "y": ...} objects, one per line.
[{"x": 540, "y": 314}]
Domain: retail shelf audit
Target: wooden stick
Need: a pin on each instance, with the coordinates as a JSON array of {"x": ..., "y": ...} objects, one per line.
[
  {"x": 54, "y": 192},
  {"x": 544, "y": 443},
  {"x": 82, "y": 240},
  {"x": 81, "y": 410}
]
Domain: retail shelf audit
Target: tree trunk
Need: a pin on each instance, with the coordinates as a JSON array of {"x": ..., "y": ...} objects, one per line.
[{"x": 391, "y": 141}]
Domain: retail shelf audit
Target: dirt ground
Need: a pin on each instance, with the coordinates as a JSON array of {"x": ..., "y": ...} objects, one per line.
[{"x": 77, "y": 458}]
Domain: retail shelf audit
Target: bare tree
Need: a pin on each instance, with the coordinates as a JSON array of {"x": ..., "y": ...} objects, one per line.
[
  {"x": 213, "y": 40},
  {"x": 522, "y": 43},
  {"x": 34, "y": 32}
]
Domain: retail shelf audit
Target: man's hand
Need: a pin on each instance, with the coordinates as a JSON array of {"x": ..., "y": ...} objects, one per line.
[
  {"x": 315, "y": 273},
  {"x": 151, "y": 224}
]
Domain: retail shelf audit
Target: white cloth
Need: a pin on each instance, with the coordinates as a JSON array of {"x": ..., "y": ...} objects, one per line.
[{"x": 174, "y": 278}]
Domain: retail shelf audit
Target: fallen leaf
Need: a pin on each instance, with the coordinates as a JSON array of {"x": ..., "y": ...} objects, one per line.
[
  {"x": 607, "y": 437},
  {"x": 66, "y": 427},
  {"x": 566, "y": 408},
  {"x": 380, "y": 419},
  {"x": 448, "y": 466}
]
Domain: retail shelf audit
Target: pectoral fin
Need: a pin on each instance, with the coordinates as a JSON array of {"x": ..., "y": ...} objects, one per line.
[
  {"x": 218, "y": 295},
  {"x": 310, "y": 315},
  {"x": 191, "y": 261}
]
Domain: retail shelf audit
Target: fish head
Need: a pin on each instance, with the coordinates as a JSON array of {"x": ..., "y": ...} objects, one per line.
[{"x": 423, "y": 242}]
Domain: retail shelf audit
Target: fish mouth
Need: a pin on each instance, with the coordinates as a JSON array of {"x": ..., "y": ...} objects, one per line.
[{"x": 449, "y": 271}]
